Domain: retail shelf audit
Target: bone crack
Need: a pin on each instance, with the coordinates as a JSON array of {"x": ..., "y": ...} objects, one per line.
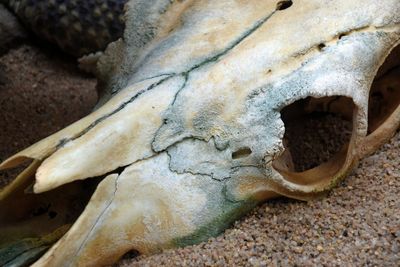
[{"x": 97, "y": 220}]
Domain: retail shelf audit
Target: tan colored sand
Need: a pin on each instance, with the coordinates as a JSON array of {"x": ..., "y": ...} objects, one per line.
[
  {"x": 40, "y": 93},
  {"x": 358, "y": 224}
]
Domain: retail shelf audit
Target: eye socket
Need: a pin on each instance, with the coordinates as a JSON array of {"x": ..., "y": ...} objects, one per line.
[
  {"x": 317, "y": 135},
  {"x": 384, "y": 96}
]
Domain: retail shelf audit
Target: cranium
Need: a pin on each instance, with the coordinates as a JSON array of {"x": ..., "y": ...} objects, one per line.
[{"x": 192, "y": 131}]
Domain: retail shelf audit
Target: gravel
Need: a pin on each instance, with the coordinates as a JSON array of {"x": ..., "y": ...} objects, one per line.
[{"x": 357, "y": 224}]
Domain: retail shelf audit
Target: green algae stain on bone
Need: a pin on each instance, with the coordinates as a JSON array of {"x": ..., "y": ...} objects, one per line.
[{"x": 224, "y": 218}]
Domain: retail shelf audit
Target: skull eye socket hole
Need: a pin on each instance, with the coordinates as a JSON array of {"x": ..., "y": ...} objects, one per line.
[
  {"x": 317, "y": 135},
  {"x": 384, "y": 96}
]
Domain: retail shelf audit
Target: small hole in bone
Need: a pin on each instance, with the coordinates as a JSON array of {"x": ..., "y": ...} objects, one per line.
[
  {"x": 282, "y": 5},
  {"x": 241, "y": 153},
  {"x": 316, "y": 130},
  {"x": 130, "y": 255},
  {"x": 321, "y": 46},
  {"x": 384, "y": 96}
]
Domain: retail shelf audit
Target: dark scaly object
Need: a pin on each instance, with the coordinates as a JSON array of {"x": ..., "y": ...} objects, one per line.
[{"x": 78, "y": 27}]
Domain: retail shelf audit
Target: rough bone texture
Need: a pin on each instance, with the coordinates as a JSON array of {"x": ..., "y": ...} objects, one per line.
[{"x": 192, "y": 136}]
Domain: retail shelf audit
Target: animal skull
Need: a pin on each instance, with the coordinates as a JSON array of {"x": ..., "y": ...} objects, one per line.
[{"x": 191, "y": 134}]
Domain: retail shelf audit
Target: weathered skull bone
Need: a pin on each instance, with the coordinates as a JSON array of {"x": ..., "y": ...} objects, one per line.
[{"x": 192, "y": 135}]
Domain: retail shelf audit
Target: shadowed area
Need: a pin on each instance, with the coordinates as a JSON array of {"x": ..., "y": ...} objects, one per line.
[
  {"x": 40, "y": 93},
  {"x": 78, "y": 27},
  {"x": 316, "y": 130},
  {"x": 384, "y": 96}
]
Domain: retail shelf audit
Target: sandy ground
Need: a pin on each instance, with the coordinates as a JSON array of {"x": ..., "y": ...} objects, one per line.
[
  {"x": 357, "y": 224},
  {"x": 40, "y": 93}
]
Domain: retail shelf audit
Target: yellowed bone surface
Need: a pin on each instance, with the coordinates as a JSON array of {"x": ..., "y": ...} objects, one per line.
[{"x": 195, "y": 132}]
